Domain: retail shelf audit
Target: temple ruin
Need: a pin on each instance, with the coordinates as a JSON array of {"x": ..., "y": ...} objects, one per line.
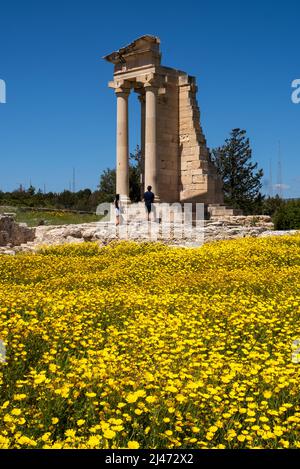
[{"x": 176, "y": 160}]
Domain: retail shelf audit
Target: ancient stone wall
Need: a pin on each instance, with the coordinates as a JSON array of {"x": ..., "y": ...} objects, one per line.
[
  {"x": 168, "y": 141},
  {"x": 198, "y": 177},
  {"x": 185, "y": 170},
  {"x": 14, "y": 234}
]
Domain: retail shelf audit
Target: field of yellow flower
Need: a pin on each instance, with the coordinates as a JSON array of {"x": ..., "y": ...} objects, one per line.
[{"x": 144, "y": 345}]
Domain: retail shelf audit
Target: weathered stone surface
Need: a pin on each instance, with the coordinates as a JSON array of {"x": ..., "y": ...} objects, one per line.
[
  {"x": 14, "y": 234},
  {"x": 20, "y": 238},
  {"x": 265, "y": 234},
  {"x": 171, "y": 233}
]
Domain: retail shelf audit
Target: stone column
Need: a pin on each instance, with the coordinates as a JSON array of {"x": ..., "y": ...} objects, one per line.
[
  {"x": 122, "y": 169},
  {"x": 151, "y": 164},
  {"x": 143, "y": 110}
]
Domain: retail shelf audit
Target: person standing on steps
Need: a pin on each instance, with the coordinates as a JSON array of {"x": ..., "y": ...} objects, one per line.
[
  {"x": 149, "y": 200},
  {"x": 117, "y": 208}
]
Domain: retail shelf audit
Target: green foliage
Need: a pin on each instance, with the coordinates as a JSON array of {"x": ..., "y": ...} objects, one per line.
[
  {"x": 31, "y": 190},
  {"x": 107, "y": 185},
  {"x": 83, "y": 200},
  {"x": 135, "y": 172},
  {"x": 287, "y": 216},
  {"x": 271, "y": 204},
  {"x": 53, "y": 217},
  {"x": 241, "y": 178}
]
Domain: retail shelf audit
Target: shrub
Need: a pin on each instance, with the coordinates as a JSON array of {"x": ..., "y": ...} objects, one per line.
[{"x": 287, "y": 216}]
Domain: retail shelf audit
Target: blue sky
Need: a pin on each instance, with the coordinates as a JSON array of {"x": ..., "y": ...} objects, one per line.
[{"x": 60, "y": 113}]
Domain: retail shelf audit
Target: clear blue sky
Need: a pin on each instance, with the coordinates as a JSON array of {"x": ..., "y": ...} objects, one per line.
[{"x": 60, "y": 113}]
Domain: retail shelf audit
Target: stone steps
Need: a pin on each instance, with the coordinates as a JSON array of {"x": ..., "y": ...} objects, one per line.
[{"x": 219, "y": 210}]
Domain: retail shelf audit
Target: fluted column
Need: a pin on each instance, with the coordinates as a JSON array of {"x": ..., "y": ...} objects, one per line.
[
  {"x": 151, "y": 164},
  {"x": 143, "y": 109},
  {"x": 122, "y": 170}
]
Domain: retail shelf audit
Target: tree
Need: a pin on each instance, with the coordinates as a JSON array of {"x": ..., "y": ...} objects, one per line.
[
  {"x": 107, "y": 185},
  {"x": 31, "y": 190},
  {"x": 66, "y": 199},
  {"x": 135, "y": 172},
  {"x": 82, "y": 200},
  {"x": 241, "y": 178},
  {"x": 271, "y": 205},
  {"x": 287, "y": 216}
]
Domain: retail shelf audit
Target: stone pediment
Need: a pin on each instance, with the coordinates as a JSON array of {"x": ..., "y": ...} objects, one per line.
[
  {"x": 142, "y": 52},
  {"x": 142, "y": 44}
]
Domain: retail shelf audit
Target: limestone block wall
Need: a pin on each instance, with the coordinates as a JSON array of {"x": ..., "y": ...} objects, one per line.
[
  {"x": 198, "y": 179},
  {"x": 167, "y": 141},
  {"x": 185, "y": 170}
]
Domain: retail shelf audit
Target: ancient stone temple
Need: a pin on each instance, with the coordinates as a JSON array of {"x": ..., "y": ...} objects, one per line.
[{"x": 175, "y": 157}]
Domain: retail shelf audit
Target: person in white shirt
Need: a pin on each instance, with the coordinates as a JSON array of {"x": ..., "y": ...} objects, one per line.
[{"x": 117, "y": 208}]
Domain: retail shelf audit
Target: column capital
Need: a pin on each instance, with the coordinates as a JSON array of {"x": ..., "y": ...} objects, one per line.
[
  {"x": 151, "y": 87},
  {"x": 124, "y": 92},
  {"x": 120, "y": 86},
  {"x": 152, "y": 81},
  {"x": 156, "y": 87},
  {"x": 149, "y": 80}
]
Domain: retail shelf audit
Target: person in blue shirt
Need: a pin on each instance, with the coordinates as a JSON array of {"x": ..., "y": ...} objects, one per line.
[{"x": 149, "y": 200}]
